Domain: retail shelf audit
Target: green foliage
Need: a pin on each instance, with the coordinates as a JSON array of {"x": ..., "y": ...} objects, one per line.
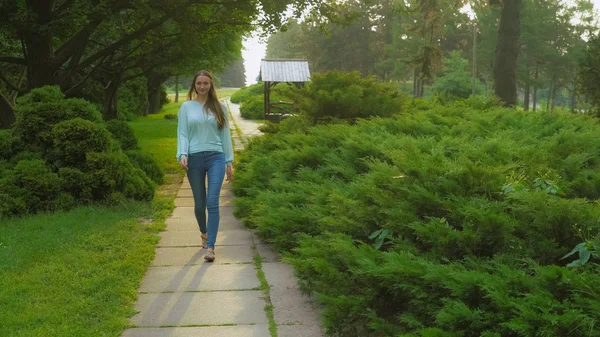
[
  {"x": 170, "y": 116},
  {"x": 253, "y": 108},
  {"x": 588, "y": 75},
  {"x": 148, "y": 164},
  {"x": 457, "y": 80},
  {"x": 132, "y": 99},
  {"x": 71, "y": 158},
  {"x": 246, "y": 92},
  {"x": 334, "y": 95},
  {"x": 74, "y": 138},
  {"x": 269, "y": 127},
  {"x": 38, "y": 111},
  {"x": 446, "y": 219},
  {"x": 122, "y": 132}
]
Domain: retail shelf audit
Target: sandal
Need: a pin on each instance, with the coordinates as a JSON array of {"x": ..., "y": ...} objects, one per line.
[
  {"x": 204, "y": 237},
  {"x": 210, "y": 255}
]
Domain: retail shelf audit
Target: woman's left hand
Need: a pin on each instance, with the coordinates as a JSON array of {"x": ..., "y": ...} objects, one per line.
[{"x": 229, "y": 172}]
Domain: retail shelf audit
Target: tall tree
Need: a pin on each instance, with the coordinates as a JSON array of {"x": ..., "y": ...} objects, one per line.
[
  {"x": 62, "y": 41},
  {"x": 507, "y": 51}
]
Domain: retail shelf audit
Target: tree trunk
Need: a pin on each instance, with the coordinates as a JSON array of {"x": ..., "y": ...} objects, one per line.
[
  {"x": 527, "y": 92},
  {"x": 507, "y": 51},
  {"x": 573, "y": 100},
  {"x": 154, "y": 91},
  {"x": 553, "y": 97},
  {"x": 109, "y": 100},
  {"x": 550, "y": 95},
  {"x": 535, "y": 89},
  {"x": 7, "y": 113},
  {"x": 415, "y": 82},
  {"x": 176, "y": 88}
]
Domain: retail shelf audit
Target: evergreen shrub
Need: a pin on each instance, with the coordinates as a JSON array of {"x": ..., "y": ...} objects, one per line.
[
  {"x": 60, "y": 154},
  {"x": 244, "y": 93},
  {"x": 450, "y": 221},
  {"x": 147, "y": 163},
  {"x": 124, "y": 133},
  {"x": 253, "y": 108},
  {"x": 339, "y": 95}
]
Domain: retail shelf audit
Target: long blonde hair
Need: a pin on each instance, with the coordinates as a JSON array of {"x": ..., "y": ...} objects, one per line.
[{"x": 212, "y": 103}]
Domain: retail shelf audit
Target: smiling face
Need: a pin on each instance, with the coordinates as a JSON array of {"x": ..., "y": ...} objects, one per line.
[{"x": 202, "y": 85}]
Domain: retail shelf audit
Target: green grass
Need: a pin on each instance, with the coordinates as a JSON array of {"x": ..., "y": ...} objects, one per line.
[
  {"x": 76, "y": 273},
  {"x": 157, "y": 136},
  {"x": 264, "y": 286}
]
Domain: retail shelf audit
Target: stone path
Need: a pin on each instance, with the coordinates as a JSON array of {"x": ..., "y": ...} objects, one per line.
[{"x": 182, "y": 296}]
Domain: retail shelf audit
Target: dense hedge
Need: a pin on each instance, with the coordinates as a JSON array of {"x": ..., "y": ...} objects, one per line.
[
  {"x": 244, "y": 93},
  {"x": 61, "y": 154},
  {"x": 449, "y": 221}
]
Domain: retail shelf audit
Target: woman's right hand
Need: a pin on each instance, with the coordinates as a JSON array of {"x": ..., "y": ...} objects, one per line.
[{"x": 184, "y": 163}]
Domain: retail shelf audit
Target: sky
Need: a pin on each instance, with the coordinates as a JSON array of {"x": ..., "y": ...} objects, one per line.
[{"x": 254, "y": 51}]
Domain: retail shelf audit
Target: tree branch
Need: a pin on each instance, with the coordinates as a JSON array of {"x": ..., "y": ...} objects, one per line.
[
  {"x": 13, "y": 60},
  {"x": 140, "y": 32},
  {"x": 76, "y": 86},
  {"x": 10, "y": 85}
]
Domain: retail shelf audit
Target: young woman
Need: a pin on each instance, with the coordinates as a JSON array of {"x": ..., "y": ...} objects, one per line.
[{"x": 204, "y": 150}]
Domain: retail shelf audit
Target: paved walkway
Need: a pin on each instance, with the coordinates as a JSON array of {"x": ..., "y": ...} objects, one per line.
[{"x": 182, "y": 296}]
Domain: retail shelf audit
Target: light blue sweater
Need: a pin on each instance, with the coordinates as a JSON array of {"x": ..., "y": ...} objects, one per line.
[{"x": 197, "y": 131}]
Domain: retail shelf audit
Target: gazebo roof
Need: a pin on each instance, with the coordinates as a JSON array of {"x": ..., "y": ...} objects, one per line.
[{"x": 284, "y": 70}]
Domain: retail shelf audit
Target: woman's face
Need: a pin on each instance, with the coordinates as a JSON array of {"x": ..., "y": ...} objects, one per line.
[{"x": 202, "y": 85}]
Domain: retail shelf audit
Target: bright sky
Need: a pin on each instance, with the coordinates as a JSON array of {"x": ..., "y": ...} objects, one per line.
[{"x": 254, "y": 51}]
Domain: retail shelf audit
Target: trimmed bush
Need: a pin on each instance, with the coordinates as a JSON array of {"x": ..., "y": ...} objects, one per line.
[
  {"x": 112, "y": 172},
  {"x": 124, "y": 133},
  {"x": 74, "y": 138},
  {"x": 148, "y": 164},
  {"x": 449, "y": 221},
  {"x": 38, "y": 111},
  {"x": 61, "y": 155}
]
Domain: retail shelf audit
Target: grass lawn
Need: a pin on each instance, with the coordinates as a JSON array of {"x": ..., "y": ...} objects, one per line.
[{"x": 76, "y": 273}]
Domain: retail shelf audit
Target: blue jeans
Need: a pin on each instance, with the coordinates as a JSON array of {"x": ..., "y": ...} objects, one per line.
[{"x": 201, "y": 165}]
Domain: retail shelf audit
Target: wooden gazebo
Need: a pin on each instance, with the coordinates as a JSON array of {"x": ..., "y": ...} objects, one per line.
[{"x": 274, "y": 71}]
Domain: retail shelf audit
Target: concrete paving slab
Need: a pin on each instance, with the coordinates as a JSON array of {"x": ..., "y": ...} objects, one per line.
[
  {"x": 268, "y": 253},
  {"x": 194, "y": 255},
  {"x": 204, "y": 277},
  {"x": 192, "y": 238},
  {"x": 290, "y": 305},
  {"x": 300, "y": 331},
  {"x": 208, "y": 308},
  {"x": 258, "y": 330}
]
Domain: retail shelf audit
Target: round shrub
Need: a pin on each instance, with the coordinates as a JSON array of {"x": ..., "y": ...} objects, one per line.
[
  {"x": 124, "y": 133},
  {"x": 137, "y": 185},
  {"x": 10, "y": 205},
  {"x": 35, "y": 116},
  {"x": 74, "y": 138},
  {"x": 76, "y": 183},
  {"x": 35, "y": 184},
  {"x": 9, "y": 146},
  {"x": 113, "y": 172},
  {"x": 147, "y": 163},
  {"x": 253, "y": 108}
]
